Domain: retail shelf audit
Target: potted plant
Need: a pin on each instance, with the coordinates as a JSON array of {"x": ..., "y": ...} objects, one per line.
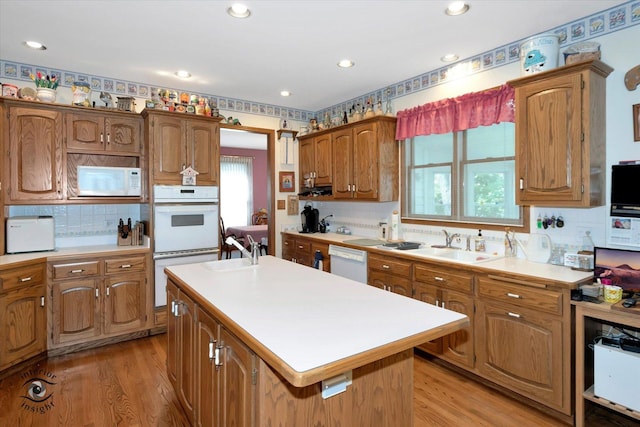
[{"x": 45, "y": 87}]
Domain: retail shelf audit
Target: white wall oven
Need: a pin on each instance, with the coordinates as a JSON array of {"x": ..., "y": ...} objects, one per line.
[{"x": 185, "y": 229}]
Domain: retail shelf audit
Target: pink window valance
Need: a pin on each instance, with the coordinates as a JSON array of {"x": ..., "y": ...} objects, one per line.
[{"x": 456, "y": 114}]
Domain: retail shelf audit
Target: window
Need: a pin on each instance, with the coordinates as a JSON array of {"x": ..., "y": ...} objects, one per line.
[
  {"x": 466, "y": 176},
  {"x": 236, "y": 190}
]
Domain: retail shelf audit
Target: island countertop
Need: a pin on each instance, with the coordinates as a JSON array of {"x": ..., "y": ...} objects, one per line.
[{"x": 306, "y": 324}]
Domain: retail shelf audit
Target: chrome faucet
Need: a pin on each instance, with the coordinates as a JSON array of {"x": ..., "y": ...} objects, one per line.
[
  {"x": 449, "y": 237},
  {"x": 255, "y": 248}
]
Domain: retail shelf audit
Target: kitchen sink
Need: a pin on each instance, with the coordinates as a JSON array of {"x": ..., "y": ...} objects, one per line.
[
  {"x": 233, "y": 264},
  {"x": 466, "y": 257}
]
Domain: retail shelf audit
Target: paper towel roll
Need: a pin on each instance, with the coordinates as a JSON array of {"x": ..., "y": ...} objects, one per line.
[{"x": 395, "y": 219}]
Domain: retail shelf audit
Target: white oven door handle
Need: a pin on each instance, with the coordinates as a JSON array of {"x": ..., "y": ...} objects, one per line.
[{"x": 185, "y": 209}]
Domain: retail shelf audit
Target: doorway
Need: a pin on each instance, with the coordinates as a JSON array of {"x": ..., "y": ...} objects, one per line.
[{"x": 249, "y": 138}]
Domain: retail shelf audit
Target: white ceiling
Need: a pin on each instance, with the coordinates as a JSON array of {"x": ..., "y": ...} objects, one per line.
[{"x": 291, "y": 45}]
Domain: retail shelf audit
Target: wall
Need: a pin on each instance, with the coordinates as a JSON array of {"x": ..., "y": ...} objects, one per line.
[{"x": 259, "y": 173}]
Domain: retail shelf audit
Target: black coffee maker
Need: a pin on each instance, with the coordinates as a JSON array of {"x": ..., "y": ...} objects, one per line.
[{"x": 310, "y": 218}]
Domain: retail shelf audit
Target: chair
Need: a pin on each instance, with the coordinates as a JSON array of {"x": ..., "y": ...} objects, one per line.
[
  {"x": 224, "y": 246},
  {"x": 260, "y": 217}
]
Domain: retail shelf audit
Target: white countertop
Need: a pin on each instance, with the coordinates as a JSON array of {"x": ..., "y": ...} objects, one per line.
[
  {"x": 306, "y": 317},
  {"x": 73, "y": 251},
  {"x": 520, "y": 266}
]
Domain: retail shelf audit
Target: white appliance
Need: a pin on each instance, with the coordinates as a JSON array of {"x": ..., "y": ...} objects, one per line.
[
  {"x": 109, "y": 181},
  {"x": 186, "y": 229},
  {"x": 30, "y": 234},
  {"x": 616, "y": 375},
  {"x": 349, "y": 263}
]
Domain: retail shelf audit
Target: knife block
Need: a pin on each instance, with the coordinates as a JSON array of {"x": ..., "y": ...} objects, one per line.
[{"x": 126, "y": 241}]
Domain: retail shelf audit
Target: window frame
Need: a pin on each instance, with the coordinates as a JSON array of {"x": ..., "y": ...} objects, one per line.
[{"x": 459, "y": 159}]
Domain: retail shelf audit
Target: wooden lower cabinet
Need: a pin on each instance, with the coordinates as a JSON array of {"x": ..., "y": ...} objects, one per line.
[
  {"x": 453, "y": 291},
  {"x": 94, "y": 298},
  {"x": 523, "y": 336},
  {"x": 390, "y": 274},
  {"x": 23, "y": 328},
  {"x": 302, "y": 250}
]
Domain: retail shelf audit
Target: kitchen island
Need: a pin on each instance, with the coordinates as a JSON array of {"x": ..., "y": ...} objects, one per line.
[{"x": 281, "y": 344}]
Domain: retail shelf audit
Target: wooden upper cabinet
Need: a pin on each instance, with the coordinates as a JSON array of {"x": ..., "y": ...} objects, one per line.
[
  {"x": 560, "y": 136},
  {"x": 177, "y": 142},
  {"x": 33, "y": 164},
  {"x": 99, "y": 131},
  {"x": 316, "y": 159}
]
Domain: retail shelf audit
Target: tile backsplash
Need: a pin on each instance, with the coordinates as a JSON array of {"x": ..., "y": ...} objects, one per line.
[{"x": 82, "y": 220}]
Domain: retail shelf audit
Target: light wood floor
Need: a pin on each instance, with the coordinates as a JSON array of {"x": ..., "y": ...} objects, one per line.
[{"x": 125, "y": 384}]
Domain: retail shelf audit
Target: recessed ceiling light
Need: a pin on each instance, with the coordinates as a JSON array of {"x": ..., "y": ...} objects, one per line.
[
  {"x": 285, "y": 93},
  {"x": 449, "y": 57},
  {"x": 346, "y": 63},
  {"x": 456, "y": 8},
  {"x": 35, "y": 45},
  {"x": 238, "y": 10},
  {"x": 183, "y": 74}
]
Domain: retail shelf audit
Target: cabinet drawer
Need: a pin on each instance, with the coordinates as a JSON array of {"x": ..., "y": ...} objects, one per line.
[
  {"x": 76, "y": 269},
  {"x": 390, "y": 265},
  {"x": 22, "y": 276},
  {"x": 521, "y": 295},
  {"x": 124, "y": 265},
  {"x": 302, "y": 247},
  {"x": 455, "y": 281}
]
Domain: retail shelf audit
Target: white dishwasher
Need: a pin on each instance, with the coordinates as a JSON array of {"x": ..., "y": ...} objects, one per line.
[{"x": 349, "y": 263}]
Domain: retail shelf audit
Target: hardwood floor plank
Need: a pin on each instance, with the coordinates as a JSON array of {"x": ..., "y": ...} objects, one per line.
[{"x": 125, "y": 384}]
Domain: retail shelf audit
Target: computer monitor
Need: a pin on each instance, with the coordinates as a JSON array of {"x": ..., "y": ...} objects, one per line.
[{"x": 621, "y": 266}]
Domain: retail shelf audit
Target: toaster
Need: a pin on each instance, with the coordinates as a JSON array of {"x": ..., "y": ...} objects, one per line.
[{"x": 30, "y": 234}]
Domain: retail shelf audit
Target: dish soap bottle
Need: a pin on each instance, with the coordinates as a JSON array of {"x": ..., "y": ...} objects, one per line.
[{"x": 480, "y": 245}]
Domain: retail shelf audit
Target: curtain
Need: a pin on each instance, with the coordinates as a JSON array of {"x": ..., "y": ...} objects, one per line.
[
  {"x": 456, "y": 114},
  {"x": 236, "y": 190}
]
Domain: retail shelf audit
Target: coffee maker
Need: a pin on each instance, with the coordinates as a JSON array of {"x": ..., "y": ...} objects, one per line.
[{"x": 310, "y": 218}]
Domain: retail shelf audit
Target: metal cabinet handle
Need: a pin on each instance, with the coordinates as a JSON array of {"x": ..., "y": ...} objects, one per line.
[
  {"x": 97, "y": 293},
  {"x": 107, "y": 290},
  {"x": 77, "y": 271},
  {"x": 101, "y": 138},
  {"x": 437, "y": 303},
  {"x": 125, "y": 266},
  {"x": 442, "y": 305},
  {"x": 521, "y": 184},
  {"x": 26, "y": 279},
  {"x": 108, "y": 138},
  {"x": 510, "y": 295},
  {"x": 41, "y": 301},
  {"x": 212, "y": 344},
  {"x": 385, "y": 266},
  {"x": 439, "y": 279},
  {"x": 216, "y": 357},
  {"x": 516, "y": 315}
]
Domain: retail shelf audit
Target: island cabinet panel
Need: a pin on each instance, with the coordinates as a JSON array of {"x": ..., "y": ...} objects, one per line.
[
  {"x": 523, "y": 336},
  {"x": 380, "y": 396},
  {"x": 560, "y": 136},
  {"x": 22, "y": 314},
  {"x": 453, "y": 291},
  {"x": 33, "y": 164}
]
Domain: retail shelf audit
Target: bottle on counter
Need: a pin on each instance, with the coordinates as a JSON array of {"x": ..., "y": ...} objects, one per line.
[{"x": 480, "y": 244}]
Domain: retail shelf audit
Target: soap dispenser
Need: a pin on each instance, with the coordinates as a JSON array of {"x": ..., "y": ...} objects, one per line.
[{"x": 480, "y": 245}]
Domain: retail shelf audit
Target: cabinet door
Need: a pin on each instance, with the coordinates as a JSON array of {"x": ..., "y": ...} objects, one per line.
[
  {"x": 124, "y": 303},
  {"x": 206, "y": 413},
  {"x": 458, "y": 346},
  {"x": 186, "y": 359},
  {"x": 288, "y": 247},
  {"x": 202, "y": 151},
  {"x": 307, "y": 159},
  {"x": 391, "y": 283},
  {"x": 323, "y": 159},
  {"x": 85, "y": 131},
  {"x": 123, "y": 134},
  {"x": 34, "y": 171},
  {"x": 365, "y": 162},
  {"x": 172, "y": 334},
  {"x": 431, "y": 295},
  {"x": 549, "y": 134},
  {"x": 76, "y": 310},
  {"x": 342, "y": 149},
  {"x": 169, "y": 149},
  {"x": 521, "y": 349},
  {"x": 23, "y": 328},
  {"x": 236, "y": 398}
]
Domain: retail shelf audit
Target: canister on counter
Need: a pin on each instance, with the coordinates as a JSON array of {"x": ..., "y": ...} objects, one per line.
[{"x": 10, "y": 91}]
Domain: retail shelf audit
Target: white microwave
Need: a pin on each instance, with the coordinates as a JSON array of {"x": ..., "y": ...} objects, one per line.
[{"x": 109, "y": 181}]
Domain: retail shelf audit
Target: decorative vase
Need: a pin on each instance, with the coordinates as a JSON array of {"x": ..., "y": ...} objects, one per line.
[{"x": 45, "y": 94}]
